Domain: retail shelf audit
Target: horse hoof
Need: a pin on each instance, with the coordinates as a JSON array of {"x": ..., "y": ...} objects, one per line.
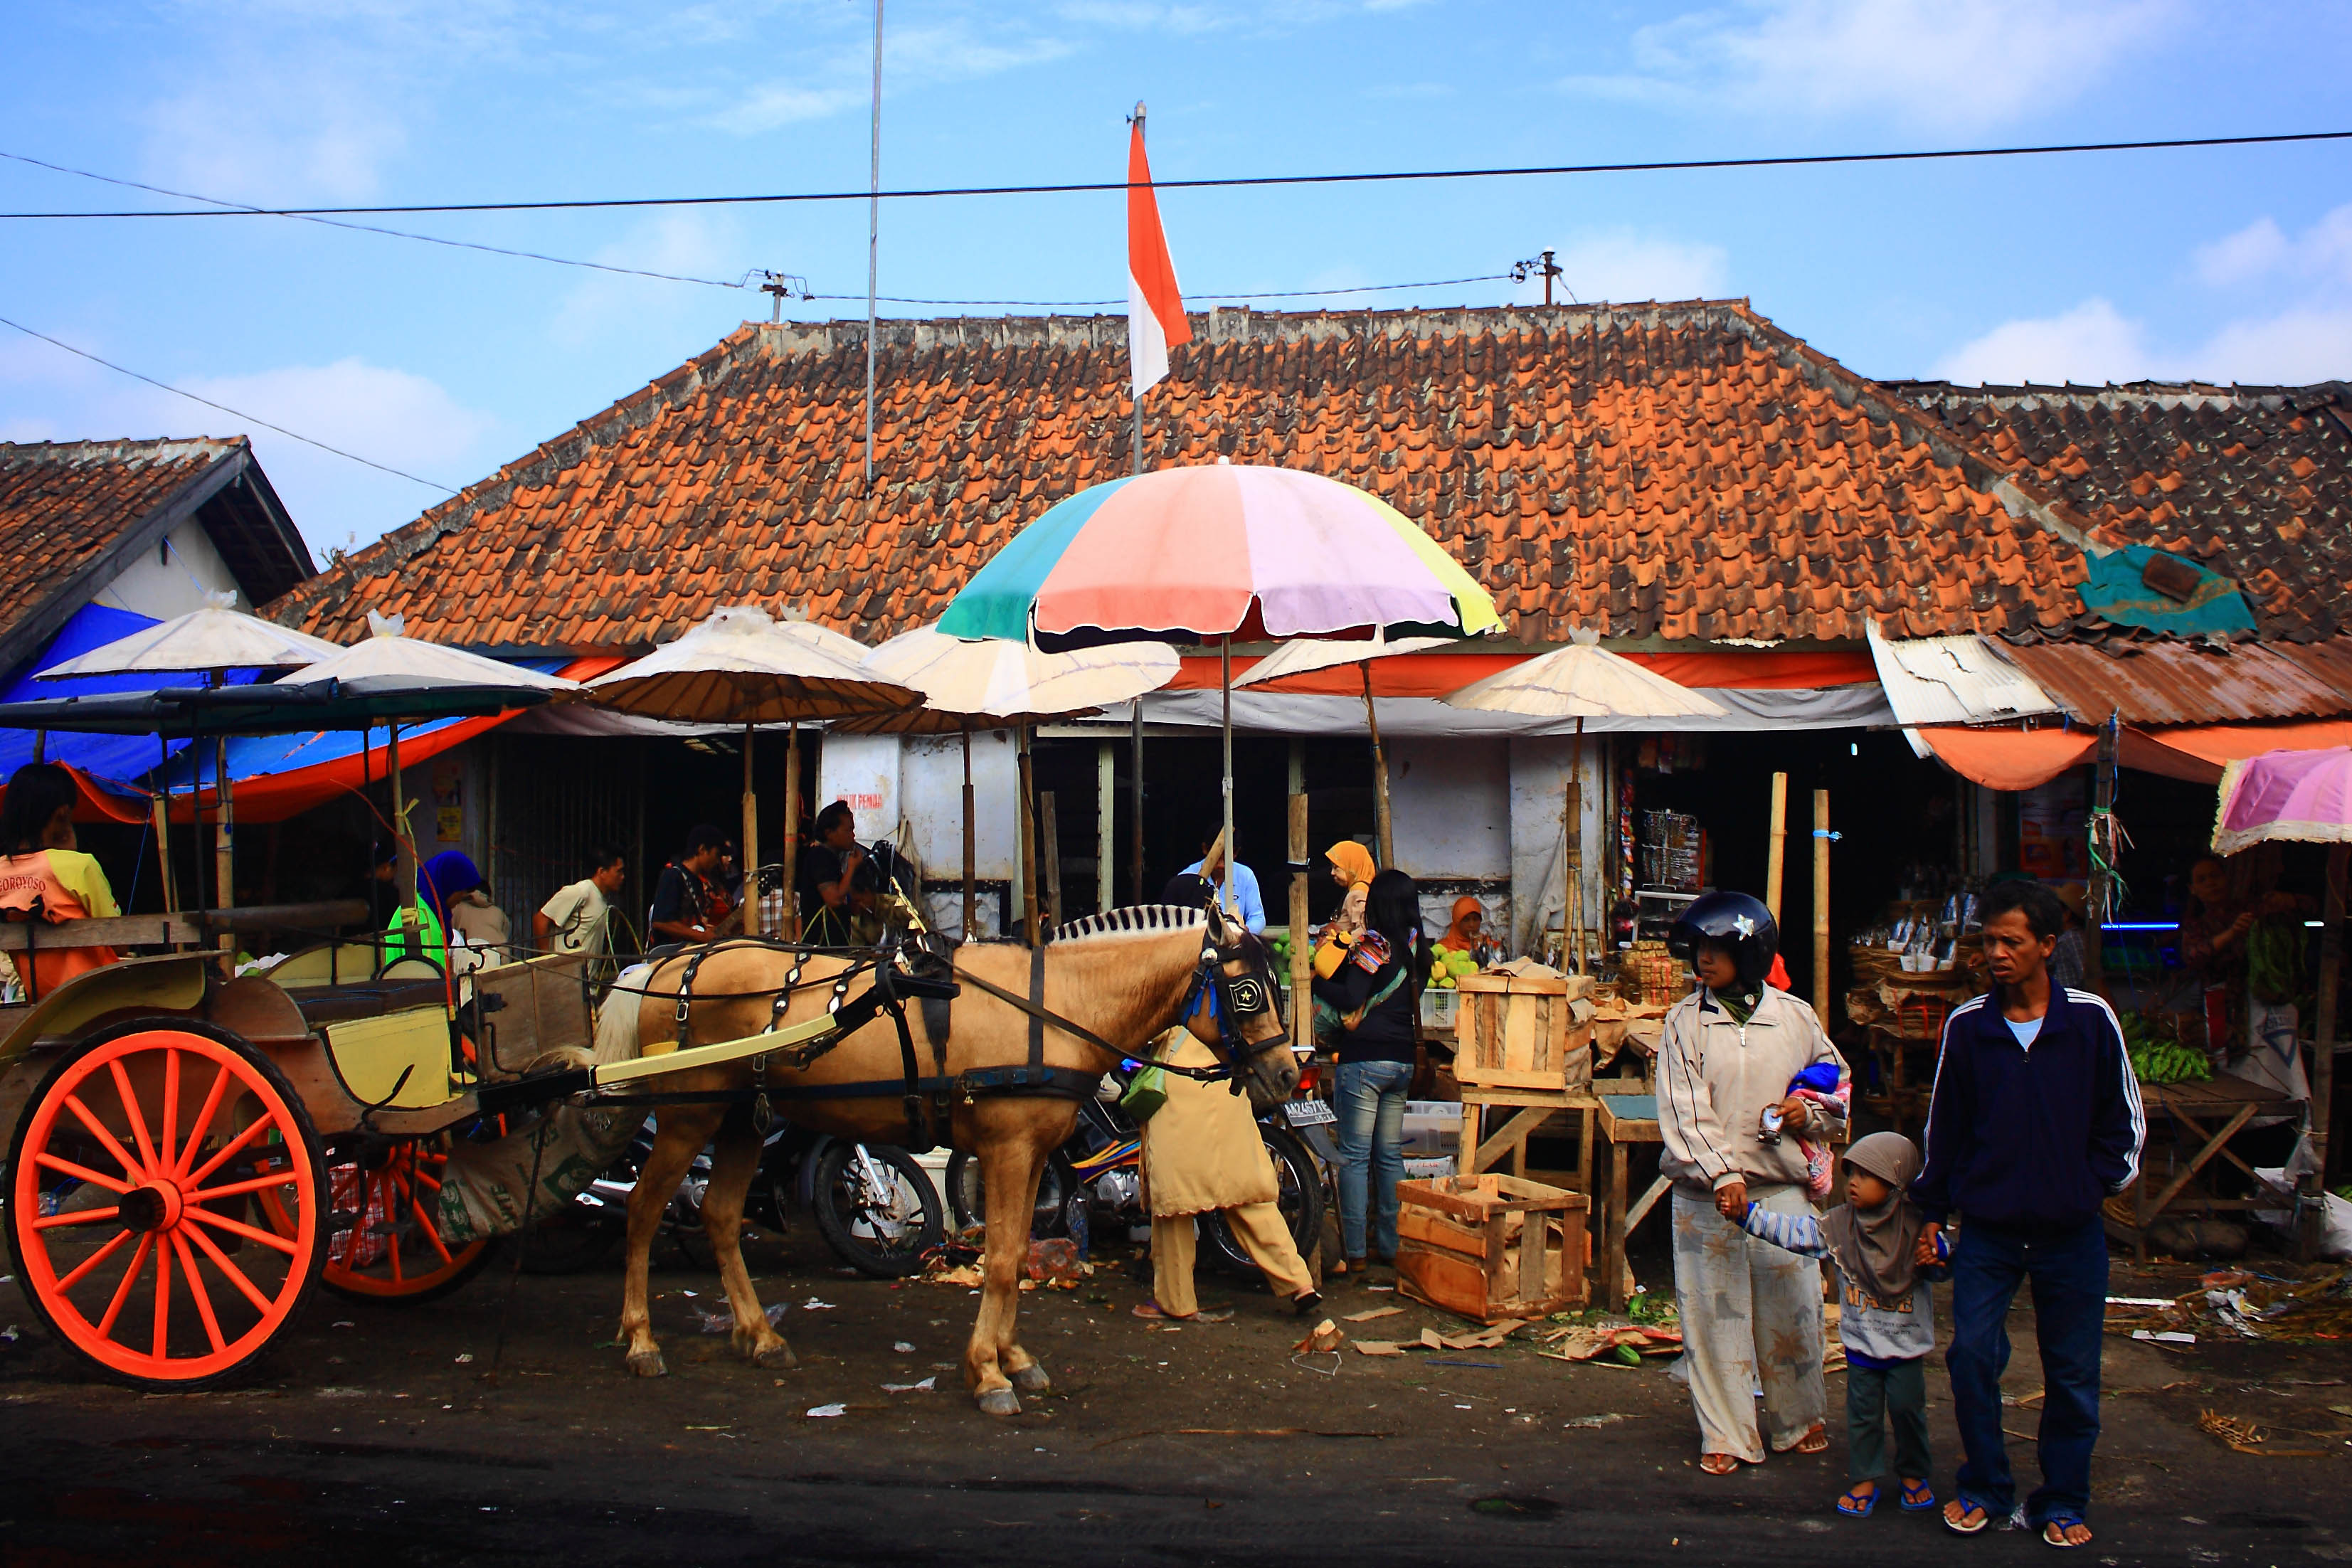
[
  {"x": 1032, "y": 1379},
  {"x": 999, "y": 1401},
  {"x": 647, "y": 1363},
  {"x": 778, "y": 1357}
]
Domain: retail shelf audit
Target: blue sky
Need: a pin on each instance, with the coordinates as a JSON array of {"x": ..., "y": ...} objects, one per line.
[{"x": 2224, "y": 265}]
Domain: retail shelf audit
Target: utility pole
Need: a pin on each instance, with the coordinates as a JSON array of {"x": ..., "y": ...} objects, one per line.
[
  {"x": 873, "y": 243},
  {"x": 779, "y": 287},
  {"x": 1542, "y": 266}
]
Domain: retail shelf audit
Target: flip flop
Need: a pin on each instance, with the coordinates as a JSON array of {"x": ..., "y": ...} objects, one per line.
[
  {"x": 1918, "y": 1497},
  {"x": 1961, "y": 1526},
  {"x": 1815, "y": 1441},
  {"x": 1152, "y": 1312},
  {"x": 1718, "y": 1464},
  {"x": 1855, "y": 1504},
  {"x": 2060, "y": 1520}
]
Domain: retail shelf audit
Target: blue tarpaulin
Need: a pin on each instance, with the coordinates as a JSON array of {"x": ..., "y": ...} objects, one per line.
[
  {"x": 112, "y": 759},
  {"x": 2114, "y": 589}
]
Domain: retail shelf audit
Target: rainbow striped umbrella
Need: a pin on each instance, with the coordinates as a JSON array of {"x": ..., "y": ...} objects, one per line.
[
  {"x": 1211, "y": 554},
  {"x": 1227, "y": 551}
]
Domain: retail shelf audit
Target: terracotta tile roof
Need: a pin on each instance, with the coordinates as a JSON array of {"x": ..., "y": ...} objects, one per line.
[
  {"x": 1678, "y": 472},
  {"x": 2254, "y": 482}
]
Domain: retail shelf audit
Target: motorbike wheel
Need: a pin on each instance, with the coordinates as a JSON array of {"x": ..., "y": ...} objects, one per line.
[
  {"x": 1299, "y": 1194},
  {"x": 882, "y": 1234},
  {"x": 968, "y": 1200}
]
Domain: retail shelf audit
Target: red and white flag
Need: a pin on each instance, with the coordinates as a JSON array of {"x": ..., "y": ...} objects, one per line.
[{"x": 1155, "y": 306}]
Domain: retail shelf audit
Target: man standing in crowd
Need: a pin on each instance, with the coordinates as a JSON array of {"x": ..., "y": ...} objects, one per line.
[
  {"x": 687, "y": 904},
  {"x": 574, "y": 921},
  {"x": 2036, "y": 1119},
  {"x": 1211, "y": 867},
  {"x": 838, "y": 887}
]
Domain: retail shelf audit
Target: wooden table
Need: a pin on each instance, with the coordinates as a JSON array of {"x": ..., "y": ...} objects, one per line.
[
  {"x": 1482, "y": 1152},
  {"x": 1902, "y": 1102},
  {"x": 1624, "y": 1119},
  {"x": 2210, "y": 1114}
]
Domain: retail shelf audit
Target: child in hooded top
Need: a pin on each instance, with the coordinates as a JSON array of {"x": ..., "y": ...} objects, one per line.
[{"x": 1888, "y": 1321}]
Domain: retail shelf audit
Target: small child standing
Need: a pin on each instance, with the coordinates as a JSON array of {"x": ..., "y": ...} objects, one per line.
[{"x": 1887, "y": 1324}]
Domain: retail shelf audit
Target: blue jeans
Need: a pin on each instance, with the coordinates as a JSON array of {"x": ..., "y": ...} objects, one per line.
[
  {"x": 1371, "y": 1152},
  {"x": 2068, "y": 1272}
]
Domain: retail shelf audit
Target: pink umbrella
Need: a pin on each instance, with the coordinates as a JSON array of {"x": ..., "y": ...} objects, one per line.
[{"x": 2304, "y": 797}]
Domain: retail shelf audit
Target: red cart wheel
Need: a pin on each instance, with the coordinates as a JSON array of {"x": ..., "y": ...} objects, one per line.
[
  {"x": 394, "y": 1250},
  {"x": 128, "y": 1189}
]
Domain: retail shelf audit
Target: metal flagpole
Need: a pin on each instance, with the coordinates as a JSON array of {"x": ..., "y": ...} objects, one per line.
[
  {"x": 872, "y": 242},
  {"x": 1139, "y": 391}
]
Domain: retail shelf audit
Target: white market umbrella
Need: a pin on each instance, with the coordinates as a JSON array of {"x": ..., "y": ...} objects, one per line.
[
  {"x": 992, "y": 683},
  {"x": 211, "y": 638},
  {"x": 824, "y": 638},
  {"x": 740, "y": 666}
]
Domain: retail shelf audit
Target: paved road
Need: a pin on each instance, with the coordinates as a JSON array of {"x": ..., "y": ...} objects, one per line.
[{"x": 368, "y": 1439}]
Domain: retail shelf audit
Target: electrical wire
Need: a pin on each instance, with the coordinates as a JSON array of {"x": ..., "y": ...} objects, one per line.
[
  {"x": 1656, "y": 165},
  {"x": 250, "y": 210},
  {"x": 1262, "y": 294},
  {"x": 225, "y": 408}
]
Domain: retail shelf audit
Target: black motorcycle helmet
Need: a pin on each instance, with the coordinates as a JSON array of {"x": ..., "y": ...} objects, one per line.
[{"x": 1735, "y": 922}]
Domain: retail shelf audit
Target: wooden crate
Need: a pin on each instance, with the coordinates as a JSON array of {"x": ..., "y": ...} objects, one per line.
[
  {"x": 1518, "y": 1032},
  {"x": 1491, "y": 1246}
]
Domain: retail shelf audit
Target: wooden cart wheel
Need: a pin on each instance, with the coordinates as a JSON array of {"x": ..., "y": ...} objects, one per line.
[
  {"x": 394, "y": 1250},
  {"x": 130, "y": 1183}
]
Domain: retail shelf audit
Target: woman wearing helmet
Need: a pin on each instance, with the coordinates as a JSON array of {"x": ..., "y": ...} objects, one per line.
[{"x": 1730, "y": 1056}]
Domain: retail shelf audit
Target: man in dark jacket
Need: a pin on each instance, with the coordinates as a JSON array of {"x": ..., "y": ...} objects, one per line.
[{"x": 2036, "y": 1119}]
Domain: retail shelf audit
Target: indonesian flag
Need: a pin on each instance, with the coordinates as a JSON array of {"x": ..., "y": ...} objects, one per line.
[{"x": 1155, "y": 307}]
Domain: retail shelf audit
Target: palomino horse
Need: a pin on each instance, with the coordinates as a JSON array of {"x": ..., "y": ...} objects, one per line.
[{"x": 1124, "y": 977}]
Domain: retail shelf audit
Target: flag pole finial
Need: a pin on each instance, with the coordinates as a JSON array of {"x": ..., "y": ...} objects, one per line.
[{"x": 1136, "y": 118}]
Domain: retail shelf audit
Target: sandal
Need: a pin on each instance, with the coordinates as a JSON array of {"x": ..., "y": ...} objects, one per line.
[
  {"x": 1816, "y": 1440},
  {"x": 1306, "y": 1301},
  {"x": 1917, "y": 1495},
  {"x": 1855, "y": 1503},
  {"x": 1959, "y": 1525},
  {"x": 1718, "y": 1464},
  {"x": 2061, "y": 1520},
  {"x": 1152, "y": 1312}
]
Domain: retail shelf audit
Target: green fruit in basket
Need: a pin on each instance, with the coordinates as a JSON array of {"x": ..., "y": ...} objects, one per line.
[{"x": 1443, "y": 983}]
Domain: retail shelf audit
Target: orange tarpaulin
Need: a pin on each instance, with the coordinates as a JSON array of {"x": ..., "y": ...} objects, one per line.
[
  {"x": 2009, "y": 759},
  {"x": 1436, "y": 674},
  {"x": 2022, "y": 759}
]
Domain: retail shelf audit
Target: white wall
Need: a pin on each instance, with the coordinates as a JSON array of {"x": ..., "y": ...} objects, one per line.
[
  {"x": 930, "y": 774},
  {"x": 1540, "y": 769},
  {"x": 152, "y": 585},
  {"x": 1451, "y": 802}
]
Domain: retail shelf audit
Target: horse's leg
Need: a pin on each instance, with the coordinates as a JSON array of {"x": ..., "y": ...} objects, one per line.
[
  {"x": 1028, "y": 1376},
  {"x": 733, "y": 1163},
  {"x": 678, "y": 1136},
  {"x": 1009, "y": 1169}
]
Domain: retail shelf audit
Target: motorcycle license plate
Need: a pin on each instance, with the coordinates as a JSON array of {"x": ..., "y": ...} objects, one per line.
[{"x": 1309, "y": 1113}]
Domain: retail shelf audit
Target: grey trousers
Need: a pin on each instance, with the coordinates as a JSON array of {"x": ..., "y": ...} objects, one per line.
[
  {"x": 1751, "y": 1316},
  {"x": 1875, "y": 1397}
]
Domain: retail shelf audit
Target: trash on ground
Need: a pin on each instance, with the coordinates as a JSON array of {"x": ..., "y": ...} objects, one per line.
[
  {"x": 824, "y": 1410},
  {"x": 925, "y": 1386},
  {"x": 1596, "y": 1344},
  {"x": 813, "y": 1305},
  {"x": 1367, "y": 1316},
  {"x": 1593, "y": 1423},
  {"x": 2167, "y": 1336},
  {"x": 464, "y": 1356},
  {"x": 1056, "y": 1261},
  {"x": 1324, "y": 1337},
  {"x": 724, "y": 1322},
  {"x": 904, "y": 1347},
  {"x": 1376, "y": 1347}
]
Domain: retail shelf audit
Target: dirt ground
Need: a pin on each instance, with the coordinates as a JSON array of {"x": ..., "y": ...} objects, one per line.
[{"x": 498, "y": 1425}]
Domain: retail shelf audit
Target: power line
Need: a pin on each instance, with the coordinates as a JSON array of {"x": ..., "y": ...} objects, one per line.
[
  {"x": 1262, "y": 294},
  {"x": 1232, "y": 182},
  {"x": 249, "y": 210},
  {"x": 225, "y": 408}
]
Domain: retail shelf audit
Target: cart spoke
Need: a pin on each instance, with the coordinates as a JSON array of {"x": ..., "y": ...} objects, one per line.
[
  {"x": 130, "y": 1278},
  {"x": 428, "y": 1180},
  {"x": 92, "y": 1261},
  {"x": 131, "y": 1167},
  {"x": 162, "y": 1350},
  {"x": 236, "y": 1276},
  {"x": 203, "y": 1121},
  {"x": 391, "y": 1242},
  {"x": 79, "y": 1217},
  {"x": 222, "y": 1221},
  {"x": 197, "y": 1288},
  {"x": 433, "y": 1236},
  {"x": 80, "y": 1173},
  {"x": 278, "y": 1178},
  {"x": 253, "y": 1130},
  {"x": 163, "y": 1133},
  {"x": 131, "y": 1113}
]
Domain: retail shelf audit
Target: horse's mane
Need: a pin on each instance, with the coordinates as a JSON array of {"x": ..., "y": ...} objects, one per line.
[{"x": 1133, "y": 920}]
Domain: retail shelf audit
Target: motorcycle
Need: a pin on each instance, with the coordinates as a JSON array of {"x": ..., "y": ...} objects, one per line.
[
  {"x": 874, "y": 1207},
  {"x": 1096, "y": 1177}
]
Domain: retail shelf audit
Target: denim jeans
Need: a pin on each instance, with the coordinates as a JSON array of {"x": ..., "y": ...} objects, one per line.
[
  {"x": 1372, "y": 1153},
  {"x": 2068, "y": 1272}
]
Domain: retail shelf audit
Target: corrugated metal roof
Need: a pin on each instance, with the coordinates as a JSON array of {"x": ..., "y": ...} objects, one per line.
[
  {"x": 1953, "y": 680},
  {"x": 2185, "y": 683}
]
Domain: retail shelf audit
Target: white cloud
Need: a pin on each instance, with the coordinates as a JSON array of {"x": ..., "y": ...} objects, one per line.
[
  {"x": 686, "y": 244},
  {"x": 2092, "y": 343},
  {"x": 2294, "y": 347},
  {"x": 1623, "y": 264},
  {"x": 323, "y": 134},
  {"x": 1943, "y": 64},
  {"x": 913, "y": 56},
  {"x": 2261, "y": 251}
]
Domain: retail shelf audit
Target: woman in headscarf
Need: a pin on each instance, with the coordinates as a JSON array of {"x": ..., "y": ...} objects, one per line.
[
  {"x": 1352, "y": 869},
  {"x": 423, "y": 929},
  {"x": 44, "y": 877},
  {"x": 1374, "y": 1001},
  {"x": 1469, "y": 920}
]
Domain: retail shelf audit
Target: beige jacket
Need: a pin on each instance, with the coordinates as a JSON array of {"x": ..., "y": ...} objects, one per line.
[
  {"x": 1715, "y": 1078},
  {"x": 1202, "y": 1152}
]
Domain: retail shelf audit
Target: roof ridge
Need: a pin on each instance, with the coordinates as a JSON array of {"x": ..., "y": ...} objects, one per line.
[{"x": 128, "y": 449}]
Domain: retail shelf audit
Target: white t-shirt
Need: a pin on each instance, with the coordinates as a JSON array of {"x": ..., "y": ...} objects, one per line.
[
  {"x": 2027, "y": 1030},
  {"x": 578, "y": 915}
]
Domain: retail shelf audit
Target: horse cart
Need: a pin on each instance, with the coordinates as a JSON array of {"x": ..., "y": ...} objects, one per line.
[{"x": 190, "y": 1153}]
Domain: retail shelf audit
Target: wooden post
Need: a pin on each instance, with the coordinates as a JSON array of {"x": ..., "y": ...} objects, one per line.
[
  {"x": 1049, "y": 858},
  {"x": 404, "y": 853},
  {"x": 2103, "y": 805},
  {"x": 1028, "y": 846},
  {"x": 1135, "y": 809},
  {"x": 1776, "y": 855},
  {"x": 1381, "y": 823},
  {"x": 1302, "y": 1011},
  {"x": 1821, "y": 906},
  {"x": 162, "y": 811},
  {"x": 971, "y": 847},
  {"x": 749, "y": 864},
  {"x": 792, "y": 827},
  {"x": 1106, "y": 828},
  {"x": 2323, "y": 1066}
]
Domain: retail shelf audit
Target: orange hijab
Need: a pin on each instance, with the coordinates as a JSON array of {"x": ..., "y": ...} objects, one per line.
[
  {"x": 1463, "y": 907},
  {"x": 1352, "y": 859}
]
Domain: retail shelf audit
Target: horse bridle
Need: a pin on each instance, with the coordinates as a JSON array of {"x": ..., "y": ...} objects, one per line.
[{"x": 1233, "y": 1000}]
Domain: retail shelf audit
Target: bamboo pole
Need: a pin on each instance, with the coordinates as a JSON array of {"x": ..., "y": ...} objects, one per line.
[
  {"x": 1776, "y": 857},
  {"x": 1135, "y": 804},
  {"x": 1379, "y": 776},
  {"x": 162, "y": 809},
  {"x": 2323, "y": 1066},
  {"x": 1027, "y": 814},
  {"x": 1049, "y": 858},
  {"x": 1106, "y": 823},
  {"x": 971, "y": 847},
  {"x": 792, "y": 826},
  {"x": 749, "y": 864},
  {"x": 1821, "y": 906},
  {"x": 1302, "y": 1029}
]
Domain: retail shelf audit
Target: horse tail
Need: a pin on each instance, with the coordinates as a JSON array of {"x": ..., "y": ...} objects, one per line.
[{"x": 616, "y": 1020}]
